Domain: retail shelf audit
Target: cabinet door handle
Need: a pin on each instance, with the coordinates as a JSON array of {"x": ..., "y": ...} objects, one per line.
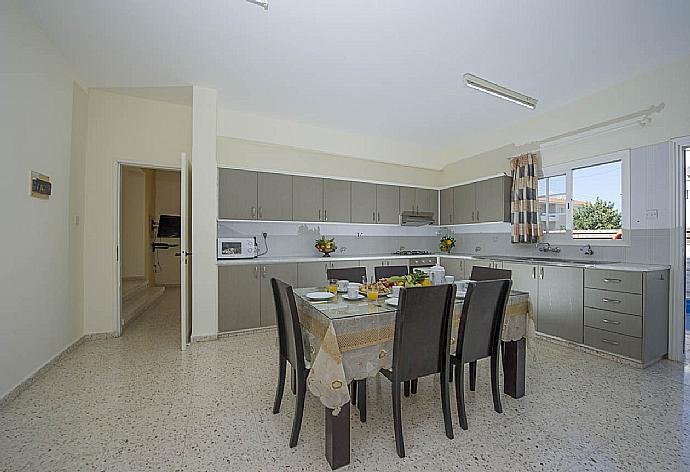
[
  {"x": 612, "y": 281},
  {"x": 373, "y": 216},
  {"x": 610, "y": 300},
  {"x": 534, "y": 272},
  {"x": 613, "y": 343},
  {"x": 261, "y": 212},
  {"x": 325, "y": 215},
  {"x": 378, "y": 216},
  {"x": 541, "y": 273},
  {"x": 263, "y": 272},
  {"x": 477, "y": 215},
  {"x": 256, "y": 272},
  {"x": 253, "y": 212},
  {"x": 604, "y": 320},
  {"x": 319, "y": 214}
]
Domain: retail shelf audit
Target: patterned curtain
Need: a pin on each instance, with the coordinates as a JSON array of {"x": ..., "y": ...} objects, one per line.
[{"x": 523, "y": 198}]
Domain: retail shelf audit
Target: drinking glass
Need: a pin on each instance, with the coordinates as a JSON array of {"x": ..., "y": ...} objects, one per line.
[
  {"x": 332, "y": 285},
  {"x": 372, "y": 289}
]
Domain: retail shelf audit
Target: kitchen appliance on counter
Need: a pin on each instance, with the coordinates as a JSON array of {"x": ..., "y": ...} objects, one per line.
[{"x": 237, "y": 248}]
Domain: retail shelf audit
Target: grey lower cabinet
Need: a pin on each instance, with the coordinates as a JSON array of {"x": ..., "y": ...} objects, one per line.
[
  {"x": 237, "y": 194},
  {"x": 285, "y": 272},
  {"x": 363, "y": 202},
  {"x": 560, "y": 302},
  {"x": 454, "y": 267},
  {"x": 446, "y": 208},
  {"x": 387, "y": 204},
  {"x": 626, "y": 313},
  {"x": 313, "y": 274},
  {"x": 372, "y": 264},
  {"x": 337, "y": 200},
  {"x": 480, "y": 263},
  {"x": 307, "y": 199},
  {"x": 239, "y": 297},
  {"x": 274, "y": 197},
  {"x": 525, "y": 279}
]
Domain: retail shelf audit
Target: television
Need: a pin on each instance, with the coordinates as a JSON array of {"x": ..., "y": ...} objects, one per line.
[{"x": 169, "y": 226}]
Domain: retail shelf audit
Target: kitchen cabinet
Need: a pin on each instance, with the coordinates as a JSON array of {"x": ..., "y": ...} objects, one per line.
[
  {"x": 363, "y": 202},
  {"x": 307, "y": 198},
  {"x": 464, "y": 204},
  {"x": 275, "y": 197},
  {"x": 285, "y": 272},
  {"x": 525, "y": 279},
  {"x": 239, "y": 297},
  {"x": 237, "y": 194},
  {"x": 454, "y": 267},
  {"x": 408, "y": 199},
  {"x": 480, "y": 263},
  {"x": 446, "y": 209},
  {"x": 336, "y": 200},
  {"x": 387, "y": 204},
  {"x": 371, "y": 264},
  {"x": 419, "y": 200},
  {"x": 560, "y": 302},
  {"x": 313, "y": 274}
]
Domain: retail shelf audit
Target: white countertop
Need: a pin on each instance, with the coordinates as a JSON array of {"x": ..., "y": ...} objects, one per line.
[{"x": 353, "y": 257}]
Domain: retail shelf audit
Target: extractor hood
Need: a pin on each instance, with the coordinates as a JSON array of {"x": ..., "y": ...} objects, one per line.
[{"x": 413, "y": 218}]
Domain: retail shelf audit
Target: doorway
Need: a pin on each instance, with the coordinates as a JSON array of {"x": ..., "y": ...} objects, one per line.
[{"x": 153, "y": 238}]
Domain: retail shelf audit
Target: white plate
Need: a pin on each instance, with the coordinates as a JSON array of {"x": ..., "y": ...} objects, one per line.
[
  {"x": 320, "y": 295},
  {"x": 392, "y": 301},
  {"x": 359, "y": 297}
]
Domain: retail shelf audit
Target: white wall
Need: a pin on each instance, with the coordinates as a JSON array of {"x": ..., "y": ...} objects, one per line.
[
  {"x": 121, "y": 128},
  {"x": 133, "y": 222},
  {"x": 36, "y": 93},
  {"x": 168, "y": 203}
]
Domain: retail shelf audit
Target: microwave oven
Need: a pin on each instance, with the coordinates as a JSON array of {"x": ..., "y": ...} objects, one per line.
[{"x": 236, "y": 248}]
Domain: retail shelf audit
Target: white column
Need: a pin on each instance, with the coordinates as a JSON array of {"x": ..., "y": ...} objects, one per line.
[{"x": 204, "y": 212}]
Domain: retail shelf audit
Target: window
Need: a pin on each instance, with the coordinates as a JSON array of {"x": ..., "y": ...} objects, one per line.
[{"x": 585, "y": 199}]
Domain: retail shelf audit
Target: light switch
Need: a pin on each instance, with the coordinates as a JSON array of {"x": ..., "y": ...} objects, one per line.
[{"x": 652, "y": 214}]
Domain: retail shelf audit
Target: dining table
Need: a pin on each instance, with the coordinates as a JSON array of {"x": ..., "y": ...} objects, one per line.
[{"x": 346, "y": 340}]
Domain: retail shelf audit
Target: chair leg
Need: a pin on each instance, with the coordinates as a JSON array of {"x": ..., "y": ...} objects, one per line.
[
  {"x": 494, "y": 384},
  {"x": 281, "y": 384},
  {"x": 293, "y": 381},
  {"x": 413, "y": 387},
  {"x": 299, "y": 409},
  {"x": 445, "y": 405},
  {"x": 397, "y": 420},
  {"x": 353, "y": 392},
  {"x": 450, "y": 374},
  {"x": 460, "y": 394},
  {"x": 406, "y": 388},
  {"x": 362, "y": 399},
  {"x": 473, "y": 375}
]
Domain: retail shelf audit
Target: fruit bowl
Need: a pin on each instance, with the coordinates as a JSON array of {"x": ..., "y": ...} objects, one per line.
[{"x": 326, "y": 251}]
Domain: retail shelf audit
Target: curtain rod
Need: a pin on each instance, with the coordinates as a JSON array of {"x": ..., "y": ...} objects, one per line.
[{"x": 641, "y": 118}]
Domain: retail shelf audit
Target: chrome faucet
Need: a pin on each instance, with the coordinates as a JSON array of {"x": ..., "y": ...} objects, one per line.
[
  {"x": 546, "y": 247},
  {"x": 587, "y": 250}
]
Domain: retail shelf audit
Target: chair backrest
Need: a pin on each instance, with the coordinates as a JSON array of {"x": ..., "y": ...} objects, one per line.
[
  {"x": 383, "y": 272},
  {"x": 289, "y": 329},
  {"x": 422, "y": 331},
  {"x": 487, "y": 273},
  {"x": 481, "y": 321},
  {"x": 353, "y": 274}
]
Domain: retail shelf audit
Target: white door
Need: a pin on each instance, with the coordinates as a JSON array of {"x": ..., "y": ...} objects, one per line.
[{"x": 186, "y": 250}]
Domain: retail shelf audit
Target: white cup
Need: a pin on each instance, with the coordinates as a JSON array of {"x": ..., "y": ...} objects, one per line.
[
  {"x": 353, "y": 290},
  {"x": 342, "y": 285},
  {"x": 395, "y": 291},
  {"x": 449, "y": 279}
]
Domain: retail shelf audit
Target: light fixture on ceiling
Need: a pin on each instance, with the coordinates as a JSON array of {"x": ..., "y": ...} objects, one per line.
[
  {"x": 499, "y": 91},
  {"x": 262, "y": 3}
]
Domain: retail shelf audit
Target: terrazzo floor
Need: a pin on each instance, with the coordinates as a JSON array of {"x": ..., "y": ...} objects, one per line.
[{"x": 137, "y": 403}]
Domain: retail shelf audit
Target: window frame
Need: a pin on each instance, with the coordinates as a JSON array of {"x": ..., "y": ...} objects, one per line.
[{"x": 567, "y": 168}]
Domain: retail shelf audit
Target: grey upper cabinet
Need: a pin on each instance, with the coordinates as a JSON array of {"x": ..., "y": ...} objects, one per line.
[
  {"x": 275, "y": 197},
  {"x": 525, "y": 279},
  {"x": 446, "y": 210},
  {"x": 285, "y": 272},
  {"x": 493, "y": 199},
  {"x": 464, "y": 204},
  {"x": 239, "y": 297},
  {"x": 363, "y": 203},
  {"x": 307, "y": 199},
  {"x": 560, "y": 302},
  {"x": 237, "y": 194},
  {"x": 408, "y": 199},
  {"x": 336, "y": 200},
  {"x": 427, "y": 200},
  {"x": 387, "y": 204}
]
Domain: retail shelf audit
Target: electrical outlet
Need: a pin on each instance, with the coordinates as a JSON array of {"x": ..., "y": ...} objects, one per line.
[
  {"x": 652, "y": 214},
  {"x": 359, "y": 235}
]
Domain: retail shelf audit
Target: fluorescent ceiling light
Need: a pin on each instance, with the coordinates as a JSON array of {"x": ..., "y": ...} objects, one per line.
[
  {"x": 498, "y": 91},
  {"x": 262, "y": 3}
]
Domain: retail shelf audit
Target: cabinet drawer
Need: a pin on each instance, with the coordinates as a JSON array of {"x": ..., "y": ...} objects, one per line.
[
  {"x": 616, "y": 280},
  {"x": 621, "y": 323},
  {"x": 614, "y": 301},
  {"x": 613, "y": 342}
]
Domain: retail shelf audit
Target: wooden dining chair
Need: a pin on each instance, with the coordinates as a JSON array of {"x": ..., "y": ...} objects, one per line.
[
  {"x": 421, "y": 347},
  {"x": 383, "y": 272},
  {"x": 291, "y": 350},
  {"x": 352, "y": 274},
  {"x": 487, "y": 273},
  {"x": 479, "y": 336}
]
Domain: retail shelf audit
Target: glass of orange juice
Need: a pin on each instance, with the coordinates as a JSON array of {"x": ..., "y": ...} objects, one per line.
[
  {"x": 373, "y": 292},
  {"x": 332, "y": 285}
]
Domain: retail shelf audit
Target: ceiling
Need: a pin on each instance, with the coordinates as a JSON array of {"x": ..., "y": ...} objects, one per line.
[{"x": 386, "y": 69}]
